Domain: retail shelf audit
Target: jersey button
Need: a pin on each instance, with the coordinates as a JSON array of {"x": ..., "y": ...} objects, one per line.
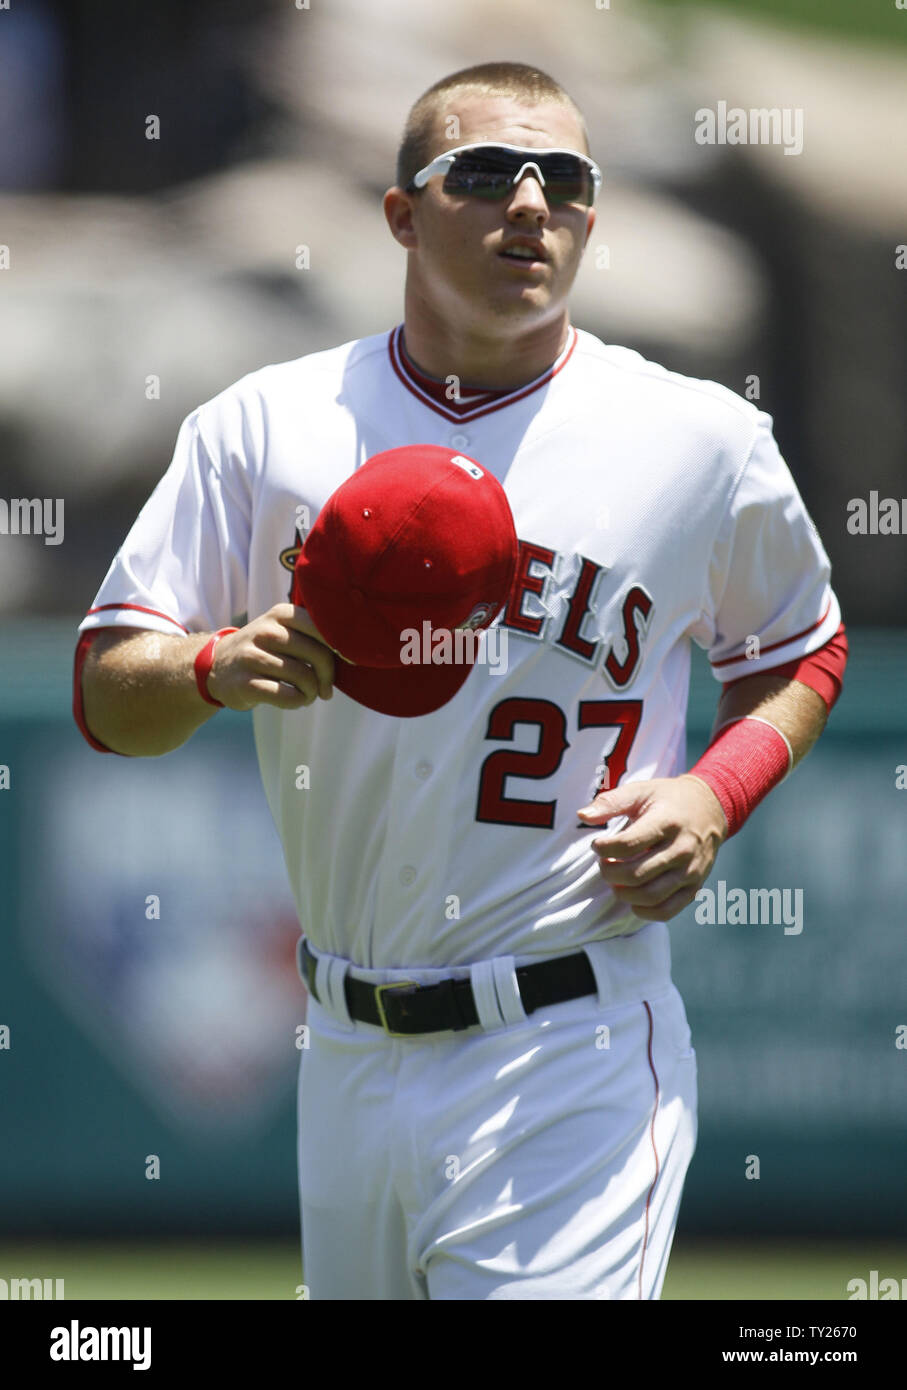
[
  {"x": 424, "y": 770},
  {"x": 407, "y": 875},
  {"x": 459, "y": 441}
]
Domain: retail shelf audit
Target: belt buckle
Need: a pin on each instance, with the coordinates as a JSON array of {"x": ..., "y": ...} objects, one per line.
[{"x": 379, "y": 1004}]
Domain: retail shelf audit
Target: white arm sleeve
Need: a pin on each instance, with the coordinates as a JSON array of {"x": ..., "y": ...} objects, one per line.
[
  {"x": 769, "y": 597},
  {"x": 184, "y": 564}
]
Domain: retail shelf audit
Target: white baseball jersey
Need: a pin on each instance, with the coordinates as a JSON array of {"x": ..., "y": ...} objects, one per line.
[{"x": 653, "y": 511}]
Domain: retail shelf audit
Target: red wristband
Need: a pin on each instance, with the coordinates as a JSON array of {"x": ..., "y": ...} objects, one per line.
[
  {"x": 742, "y": 764},
  {"x": 203, "y": 663}
]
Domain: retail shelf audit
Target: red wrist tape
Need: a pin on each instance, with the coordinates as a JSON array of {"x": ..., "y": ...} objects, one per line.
[
  {"x": 203, "y": 663},
  {"x": 742, "y": 764}
]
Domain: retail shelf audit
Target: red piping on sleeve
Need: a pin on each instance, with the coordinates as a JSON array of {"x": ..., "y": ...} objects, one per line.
[
  {"x": 773, "y": 647},
  {"x": 136, "y": 608},
  {"x": 822, "y": 670}
]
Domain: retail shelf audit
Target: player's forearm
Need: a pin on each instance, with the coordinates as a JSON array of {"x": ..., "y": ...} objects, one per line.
[
  {"x": 139, "y": 694},
  {"x": 765, "y": 725},
  {"x": 798, "y": 712}
]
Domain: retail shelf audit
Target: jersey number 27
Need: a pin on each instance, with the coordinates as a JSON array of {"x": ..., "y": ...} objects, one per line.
[{"x": 495, "y": 807}]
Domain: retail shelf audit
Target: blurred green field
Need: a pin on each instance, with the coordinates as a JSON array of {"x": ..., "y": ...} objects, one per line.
[
  {"x": 233, "y": 1270},
  {"x": 839, "y": 18}
]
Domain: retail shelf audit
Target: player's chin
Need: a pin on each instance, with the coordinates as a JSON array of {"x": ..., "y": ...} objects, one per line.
[
  {"x": 518, "y": 300},
  {"x": 542, "y": 287}
]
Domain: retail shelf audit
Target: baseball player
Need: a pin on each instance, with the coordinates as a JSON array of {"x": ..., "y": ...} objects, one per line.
[{"x": 499, "y": 1099}]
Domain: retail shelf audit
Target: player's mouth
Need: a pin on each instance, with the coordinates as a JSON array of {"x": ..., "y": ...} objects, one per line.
[{"x": 527, "y": 252}]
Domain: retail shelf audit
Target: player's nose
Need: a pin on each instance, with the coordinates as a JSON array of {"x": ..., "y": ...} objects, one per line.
[{"x": 528, "y": 200}]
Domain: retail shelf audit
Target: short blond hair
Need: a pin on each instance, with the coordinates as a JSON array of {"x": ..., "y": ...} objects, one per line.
[{"x": 518, "y": 80}]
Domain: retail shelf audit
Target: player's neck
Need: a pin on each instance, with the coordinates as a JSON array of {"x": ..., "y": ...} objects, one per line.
[{"x": 478, "y": 361}]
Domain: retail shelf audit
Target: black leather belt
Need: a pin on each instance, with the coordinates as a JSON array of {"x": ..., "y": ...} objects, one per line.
[{"x": 404, "y": 1009}]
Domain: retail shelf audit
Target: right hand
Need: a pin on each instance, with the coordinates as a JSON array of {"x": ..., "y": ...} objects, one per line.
[{"x": 278, "y": 659}]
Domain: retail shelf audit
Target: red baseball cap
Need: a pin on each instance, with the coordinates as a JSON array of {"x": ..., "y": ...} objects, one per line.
[{"x": 417, "y": 535}]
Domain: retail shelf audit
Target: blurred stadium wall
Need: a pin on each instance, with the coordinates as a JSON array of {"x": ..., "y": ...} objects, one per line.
[{"x": 147, "y": 979}]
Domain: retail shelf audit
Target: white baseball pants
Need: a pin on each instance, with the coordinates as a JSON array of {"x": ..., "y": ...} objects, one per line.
[{"x": 536, "y": 1158}]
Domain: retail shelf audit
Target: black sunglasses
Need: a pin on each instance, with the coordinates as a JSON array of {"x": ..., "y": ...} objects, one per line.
[{"x": 491, "y": 171}]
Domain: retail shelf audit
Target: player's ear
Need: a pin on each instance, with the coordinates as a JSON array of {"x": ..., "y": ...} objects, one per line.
[
  {"x": 590, "y": 223},
  {"x": 398, "y": 210}
]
